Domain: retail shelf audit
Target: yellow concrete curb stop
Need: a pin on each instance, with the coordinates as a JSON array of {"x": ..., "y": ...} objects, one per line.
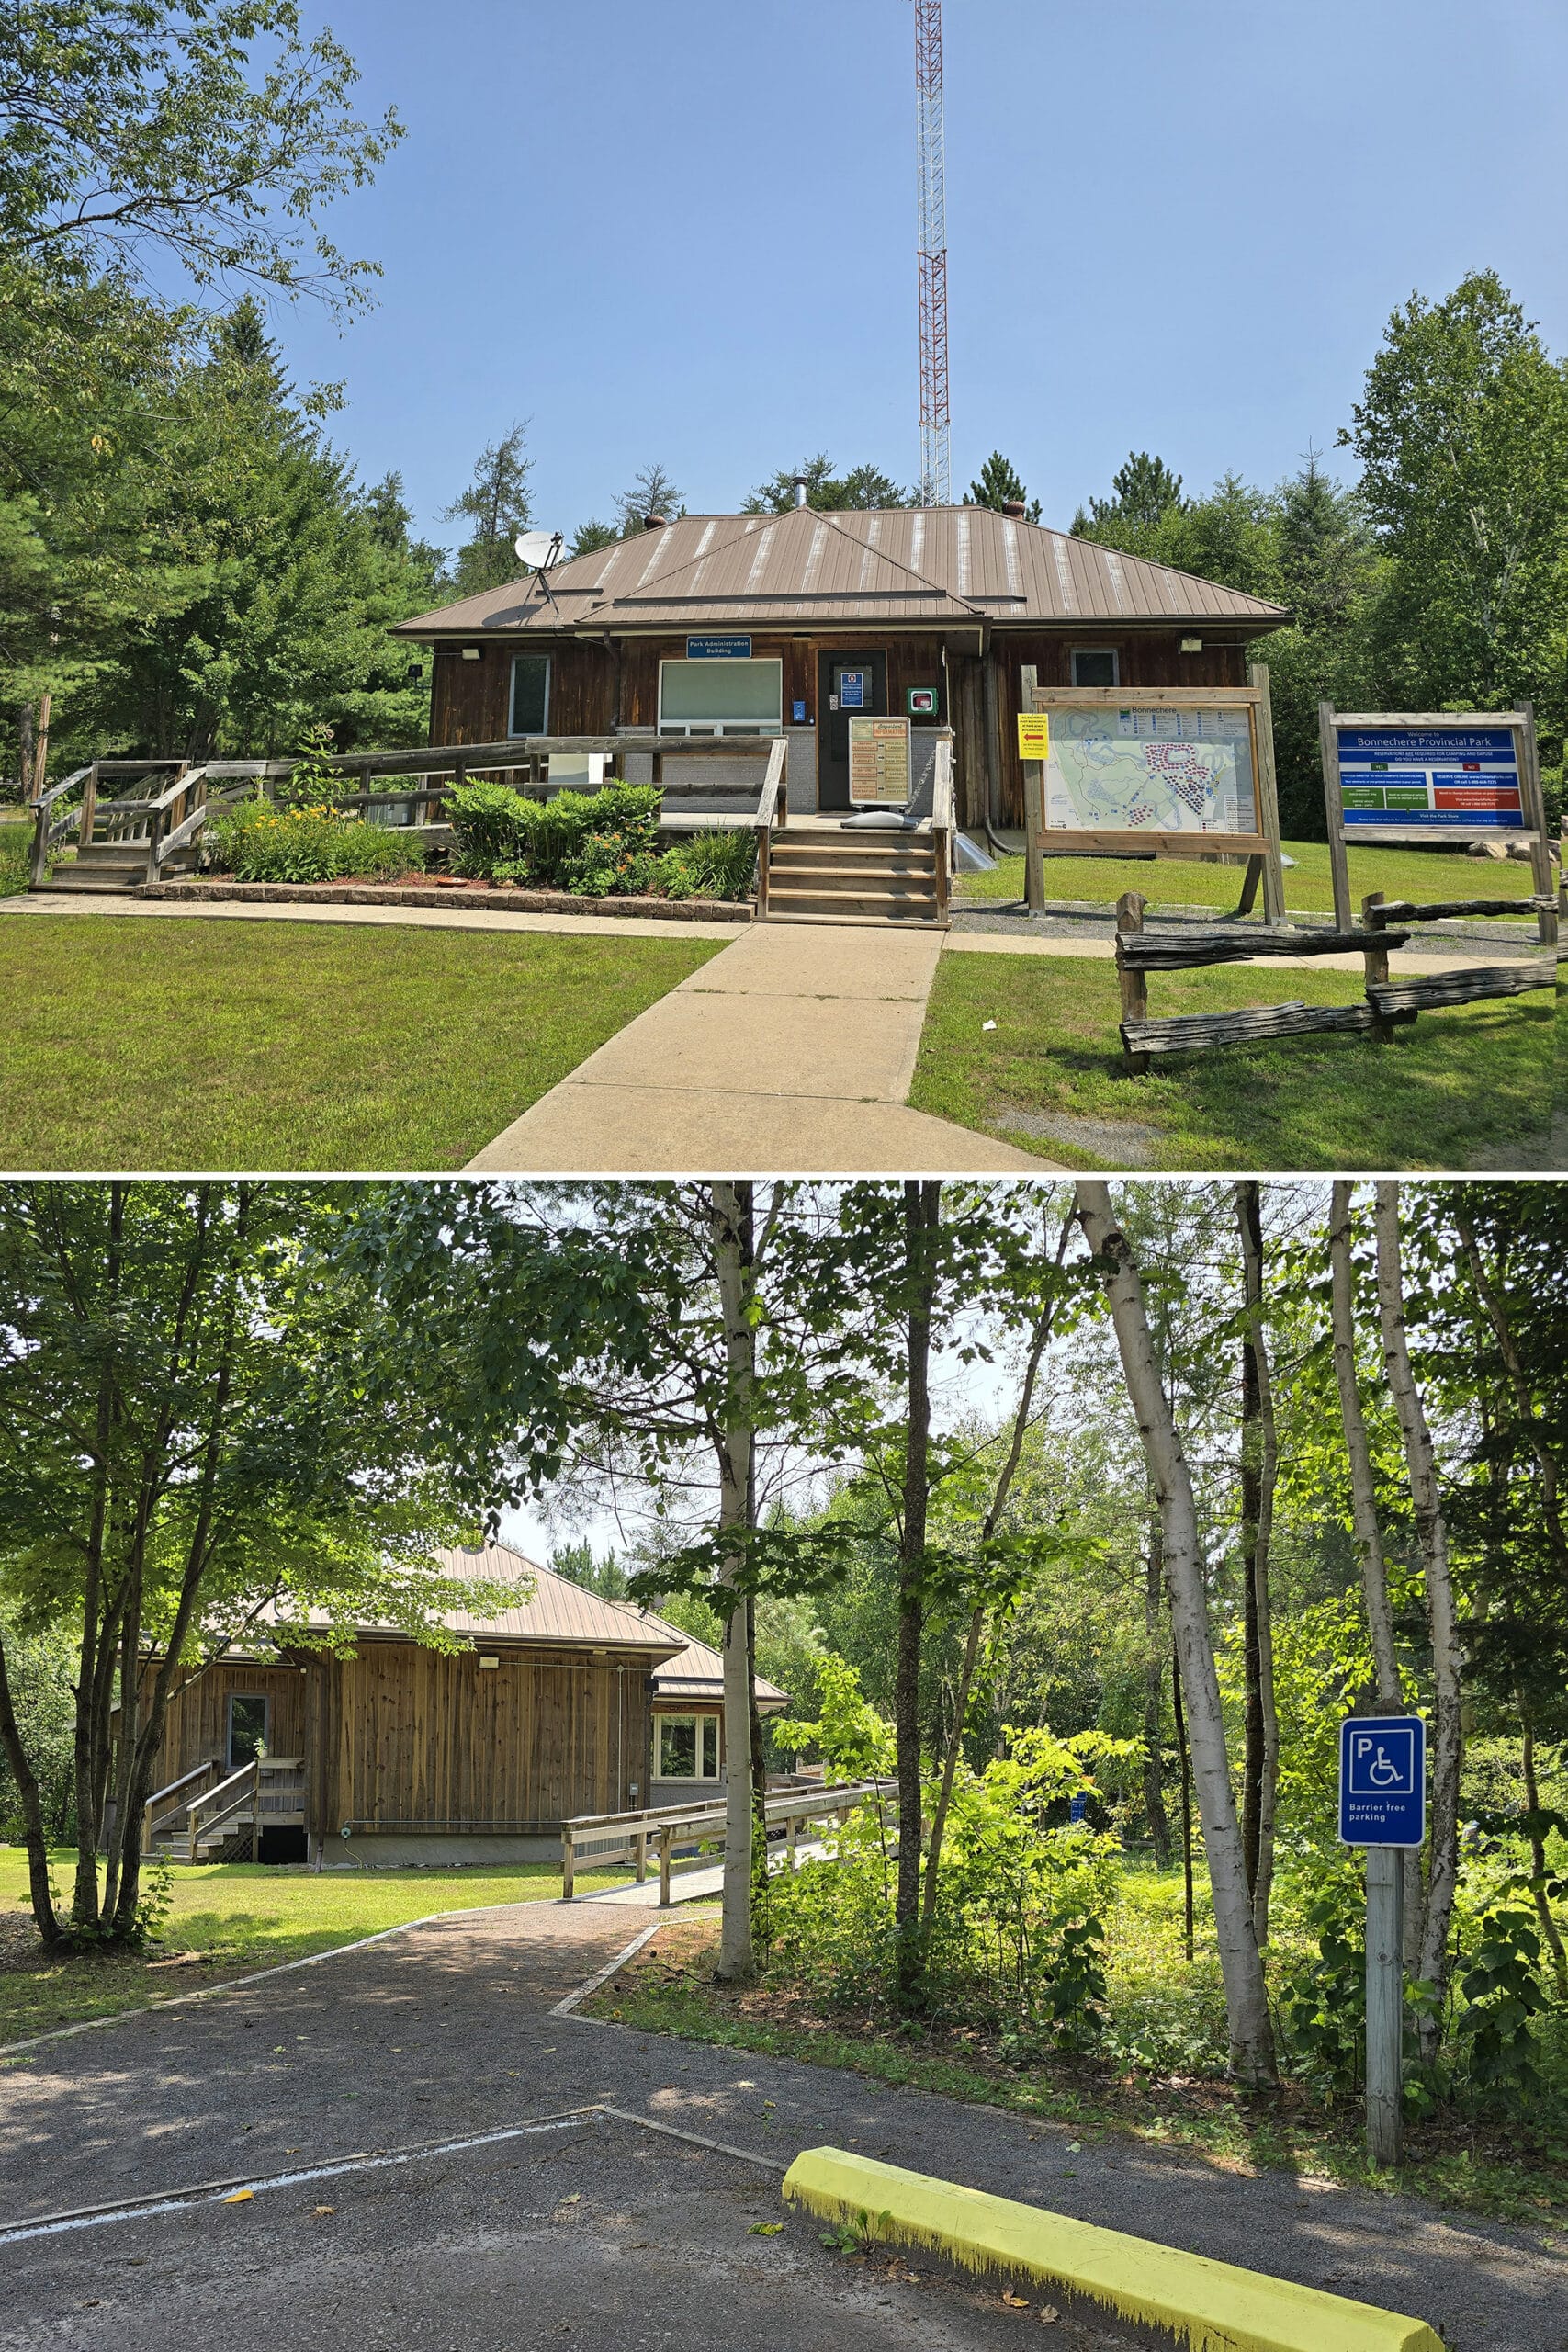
[{"x": 1209, "y": 2306}]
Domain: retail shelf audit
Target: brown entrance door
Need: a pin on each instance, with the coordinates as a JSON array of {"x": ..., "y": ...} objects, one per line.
[{"x": 847, "y": 685}]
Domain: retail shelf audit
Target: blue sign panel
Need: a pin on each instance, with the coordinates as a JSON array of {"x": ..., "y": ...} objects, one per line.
[
  {"x": 798, "y": 713},
  {"x": 1383, "y": 1781},
  {"x": 1466, "y": 781},
  {"x": 852, "y": 690},
  {"x": 718, "y": 648}
]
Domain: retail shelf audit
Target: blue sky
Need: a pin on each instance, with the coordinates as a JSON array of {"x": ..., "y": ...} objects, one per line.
[{"x": 684, "y": 231}]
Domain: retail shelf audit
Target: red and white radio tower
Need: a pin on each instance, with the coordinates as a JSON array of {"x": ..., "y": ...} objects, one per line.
[{"x": 935, "y": 486}]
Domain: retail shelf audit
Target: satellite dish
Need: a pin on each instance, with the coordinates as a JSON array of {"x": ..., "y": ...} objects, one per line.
[{"x": 539, "y": 550}]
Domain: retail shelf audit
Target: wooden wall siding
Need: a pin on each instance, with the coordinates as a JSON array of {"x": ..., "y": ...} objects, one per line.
[
  {"x": 471, "y": 701},
  {"x": 421, "y": 1737},
  {"x": 195, "y": 1728},
  {"x": 591, "y": 691},
  {"x": 1147, "y": 658}
]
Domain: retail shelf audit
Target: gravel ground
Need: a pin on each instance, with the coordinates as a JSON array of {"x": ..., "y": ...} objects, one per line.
[{"x": 446, "y": 2032}]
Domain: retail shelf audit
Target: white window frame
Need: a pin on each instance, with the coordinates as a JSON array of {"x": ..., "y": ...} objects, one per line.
[
  {"x": 512, "y": 729},
  {"x": 722, "y": 726},
  {"x": 1115, "y": 655},
  {"x": 705, "y": 1744},
  {"x": 242, "y": 1696}
]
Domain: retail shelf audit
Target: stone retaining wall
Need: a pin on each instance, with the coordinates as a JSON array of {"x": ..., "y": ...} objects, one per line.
[{"x": 499, "y": 901}]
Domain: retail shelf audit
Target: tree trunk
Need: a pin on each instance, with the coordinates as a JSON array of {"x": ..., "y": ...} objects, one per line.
[
  {"x": 732, "y": 1237},
  {"x": 1363, "y": 1493},
  {"x": 36, "y": 1835},
  {"x": 1154, "y": 1697},
  {"x": 1547, "y": 1464},
  {"x": 1184, "y": 1765},
  {"x": 1247, "y": 2003},
  {"x": 1260, "y": 1468},
  {"x": 989, "y": 1526},
  {"x": 1538, "y": 1856},
  {"x": 922, "y": 1220},
  {"x": 1447, "y": 1735}
]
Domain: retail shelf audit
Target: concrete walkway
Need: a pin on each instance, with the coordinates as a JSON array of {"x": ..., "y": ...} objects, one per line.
[
  {"x": 445, "y": 2038},
  {"x": 792, "y": 1051}
]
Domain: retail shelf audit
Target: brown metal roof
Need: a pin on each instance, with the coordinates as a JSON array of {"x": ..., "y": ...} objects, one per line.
[
  {"x": 900, "y": 566},
  {"x": 697, "y": 1673},
  {"x": 562, "y": 1613},
  {"x": 554, "y": 1610}
]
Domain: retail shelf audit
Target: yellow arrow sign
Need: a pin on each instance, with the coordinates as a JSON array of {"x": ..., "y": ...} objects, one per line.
[{"x": 1033, "y": 735}]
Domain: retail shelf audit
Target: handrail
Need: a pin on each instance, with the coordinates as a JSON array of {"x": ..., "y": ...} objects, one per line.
[
  {"x": 942, "y": 822},
  {"x": 43, "y": 829},
  {"x": 208, "y": 1764},
  {"x": 792, "y": 1807},
  {"x": 773, "y": 807}
]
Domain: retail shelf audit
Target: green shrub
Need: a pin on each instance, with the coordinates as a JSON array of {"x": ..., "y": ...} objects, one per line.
[
  {"x": 258, "y": 842},
  {"x": 722, "y": 866},
  {"x": 15, "y": 854},
  {"x": 596, "y": 845}
]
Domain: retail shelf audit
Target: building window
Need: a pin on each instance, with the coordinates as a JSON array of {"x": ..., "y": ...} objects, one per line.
[
  {"x": 688, "y": 1748},
  {"x": 1096, "y": 665},
  {"x": 530, "y": 695},
  {"x": 721, "y": 697},
  {"x": 247, "y": 1726}
]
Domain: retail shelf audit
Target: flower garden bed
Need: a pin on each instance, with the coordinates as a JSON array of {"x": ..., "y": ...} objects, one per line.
[{"x": 500, "y": 897}]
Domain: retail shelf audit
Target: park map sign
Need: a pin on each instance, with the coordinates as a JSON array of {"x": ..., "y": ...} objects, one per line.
[
  {"x": 1161, "y": 770},
  {"x": 1182, "y": 771}
]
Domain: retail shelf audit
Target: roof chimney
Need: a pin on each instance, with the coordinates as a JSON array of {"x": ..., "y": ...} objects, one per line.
[
  {"x": 1015, "y": 507},
  {"x": 654, "y": 521},
  {"x": 799, "y": 487}
]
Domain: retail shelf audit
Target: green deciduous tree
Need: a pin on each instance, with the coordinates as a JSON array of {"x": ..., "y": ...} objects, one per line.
[
  {"x": 212, "y": 133},
  {"x": 1462, "y": 436},
  {"x": 188, "y": 1439},
  {"x": 860, "y": 489}
]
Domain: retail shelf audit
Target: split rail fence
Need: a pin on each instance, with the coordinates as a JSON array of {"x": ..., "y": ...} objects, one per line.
[
  {"x": 621, "y": 1836},
  {"x": 1388, "y": 1003}
]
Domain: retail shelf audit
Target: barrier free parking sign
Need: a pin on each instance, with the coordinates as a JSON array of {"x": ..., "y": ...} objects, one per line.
[{"x": 1383, "y": 1781}]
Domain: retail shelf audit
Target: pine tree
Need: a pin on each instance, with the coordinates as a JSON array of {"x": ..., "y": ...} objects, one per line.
[
  {"x": 998, "y": 485},
  {"x": 496, "y": 503}
]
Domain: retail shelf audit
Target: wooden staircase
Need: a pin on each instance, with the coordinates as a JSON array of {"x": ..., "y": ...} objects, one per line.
[
  {"x": 208, "y": 1816},
  {"x": 824, "y": 875}
]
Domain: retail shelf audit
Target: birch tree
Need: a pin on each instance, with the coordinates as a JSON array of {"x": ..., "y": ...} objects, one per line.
[
  {"x": 1443, "y": 1619},
  {"x": 1246, "y": 2005},
  {"x": 1259, "y": 1459}
]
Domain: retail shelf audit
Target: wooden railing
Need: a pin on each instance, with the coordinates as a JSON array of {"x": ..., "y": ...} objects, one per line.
[
  {"x": 942, "y": 844},
  {"x": 167, "y": 817},
  {"x": 150, "y": 1820},
  {"x": 600, "y": 1835},
  {"x": 267, "y": 1784}
]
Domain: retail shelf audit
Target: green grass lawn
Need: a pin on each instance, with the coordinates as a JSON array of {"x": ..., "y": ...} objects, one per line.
[
  {"x": 1421, "y": 875},
  {"x": 237, "y": 1917},
  {"x": 1461, "y": 1087},
  {"x": 1159, "y": 2075},
  {"x": 148, "y": 1043},
  {"x": 16, "y": 848}
]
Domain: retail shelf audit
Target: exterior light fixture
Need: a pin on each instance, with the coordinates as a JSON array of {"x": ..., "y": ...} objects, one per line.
[
  {"x": 1191, "y": 645},
  {"x": 472, "y": 652}
]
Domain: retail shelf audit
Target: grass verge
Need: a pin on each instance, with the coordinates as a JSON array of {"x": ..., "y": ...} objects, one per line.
[
  {"x": 157, "y": 1042},
  {"x": 1509, "y": 2172},
  {"x": 1463, "y": 1088},
  {"x": 1415, "y": 873},
  {"x": 225, "y": 1919}
]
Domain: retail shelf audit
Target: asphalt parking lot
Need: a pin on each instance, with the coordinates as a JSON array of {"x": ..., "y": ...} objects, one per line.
[{"x": 444, "y": 2039}]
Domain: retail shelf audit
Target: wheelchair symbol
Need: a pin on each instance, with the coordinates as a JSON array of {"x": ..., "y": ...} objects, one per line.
[{"x": 1381, "y": 1771}]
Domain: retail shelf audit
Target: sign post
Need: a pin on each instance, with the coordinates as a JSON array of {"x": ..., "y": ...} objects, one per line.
[
  {"x": 1033, "y": 751},
  {"x": 1383, "y": 1807}
]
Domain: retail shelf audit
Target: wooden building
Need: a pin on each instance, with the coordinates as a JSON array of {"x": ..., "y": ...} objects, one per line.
[
  {"x": 768, "y": 624},
  {"x": 564, "y": 1705}
]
